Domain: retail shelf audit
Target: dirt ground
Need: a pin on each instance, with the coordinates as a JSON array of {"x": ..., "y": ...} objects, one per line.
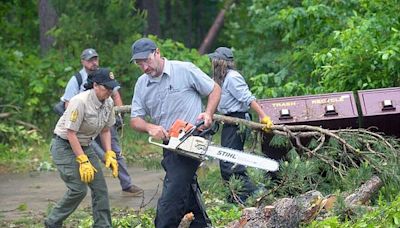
[{"x": 32, "y": 193}]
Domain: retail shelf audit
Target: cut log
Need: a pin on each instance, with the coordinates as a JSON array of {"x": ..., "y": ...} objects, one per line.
[
  {"x": 364, "y": 193},
  {"x": 186, "y": 220},
  {"x": 291, "y": 212}
]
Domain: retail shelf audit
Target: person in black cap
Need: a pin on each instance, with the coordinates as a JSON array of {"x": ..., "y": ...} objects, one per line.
[
  {"x": 90, "y": 63},
  {"x": 236, "y": 100},
  {"x": 170, "y": 90},
  {"x": 88, "y": 114}
]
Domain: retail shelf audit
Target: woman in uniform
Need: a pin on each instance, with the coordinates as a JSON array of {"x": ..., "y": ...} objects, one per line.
[
  {"x": 236, "y": 100},
  {"x": 88, "y": 114}
]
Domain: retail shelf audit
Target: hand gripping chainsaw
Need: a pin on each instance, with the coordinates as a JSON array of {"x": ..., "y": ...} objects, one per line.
[{"x": 187, "y": 140}]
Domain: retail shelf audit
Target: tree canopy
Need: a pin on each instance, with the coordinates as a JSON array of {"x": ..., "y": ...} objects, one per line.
[
  {"x": 295, "y": 47},
  {"x": 283, "y": 48}
]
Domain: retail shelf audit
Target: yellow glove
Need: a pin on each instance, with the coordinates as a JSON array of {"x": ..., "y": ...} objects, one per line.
[
  {"x": 86, "y": 169},
  {"x": 268, "y": 123},
  {"x": 111, "y": 160}
]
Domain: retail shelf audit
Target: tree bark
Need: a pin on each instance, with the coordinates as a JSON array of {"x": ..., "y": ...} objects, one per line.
[
  {"x": 153, "y": 16},
  {"x": 213, "y": 32},
  {"x": 47, "y": 20},
  {"x": 290, "y": 212},
  {"x": 216, "y": 117},
  {"x": 364, "y": 193},
  {"x": 186, "y": 220}
]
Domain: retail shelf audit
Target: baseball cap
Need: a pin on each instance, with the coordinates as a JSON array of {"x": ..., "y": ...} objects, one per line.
[
  {"x": 142, "y": 48},
  {"x": 222, "y": 53},
  {"x": 88, "y": 54},
  {"x": 105, "y": 77}
]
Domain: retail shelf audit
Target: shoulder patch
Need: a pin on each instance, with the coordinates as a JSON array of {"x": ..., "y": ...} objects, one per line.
[{"x": 74, "y": 116}]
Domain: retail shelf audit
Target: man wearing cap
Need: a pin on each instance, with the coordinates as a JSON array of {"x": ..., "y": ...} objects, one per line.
[
  {"x": 236, "y": 100},
  {"x": 90, "y": 63},
  {"x": 170, "y": 90},
  {"x": 88, "y": 114}
]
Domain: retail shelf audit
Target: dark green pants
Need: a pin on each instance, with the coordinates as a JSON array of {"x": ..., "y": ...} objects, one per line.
[{"x": 68, "y": 168}]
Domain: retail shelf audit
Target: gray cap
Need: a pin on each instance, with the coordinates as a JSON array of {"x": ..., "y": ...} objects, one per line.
[
  {"x": 88, "y": 54},
  {"x": 142, "y": 48},
  {"x": 222, "y": 53}
]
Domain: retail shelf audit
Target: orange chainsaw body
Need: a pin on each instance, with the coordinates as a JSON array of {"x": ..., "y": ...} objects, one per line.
[{"x": 178, "y": 127}]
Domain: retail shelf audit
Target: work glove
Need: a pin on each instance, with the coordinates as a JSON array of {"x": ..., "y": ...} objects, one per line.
[
  {"x": 110, "y": 158},
  {"x": 268, "y": 123},
  {"x": 86, "y": 169}
]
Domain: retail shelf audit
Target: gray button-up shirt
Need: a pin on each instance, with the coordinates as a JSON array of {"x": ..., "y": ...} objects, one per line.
[
  {"x": 176, "y": 94},
  {"x": 87, "y": 116},
  {"x": 235, "y": 94},
  {"x": 72, "y": 87}
]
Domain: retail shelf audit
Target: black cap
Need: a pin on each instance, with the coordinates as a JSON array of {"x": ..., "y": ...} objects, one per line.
[
  {"x": 142, "y": 48},
  {"x": 105, "y": 77},
  {"x": 88, "y": 54},
  {"x": 222, "y": 53}
]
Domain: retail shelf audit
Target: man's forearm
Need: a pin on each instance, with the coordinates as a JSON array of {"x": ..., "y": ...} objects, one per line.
[
  {"x": 139, "y": 124},
  {"x": 213, "y": 99},
  {"x": 117, "y": 99},
  {"x": 105, "y": 136}
]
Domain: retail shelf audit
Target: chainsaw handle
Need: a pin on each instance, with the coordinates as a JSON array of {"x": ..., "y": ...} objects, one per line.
[
  {"x": 157, "y": 144},
  {"x": 199, "y": 124}
]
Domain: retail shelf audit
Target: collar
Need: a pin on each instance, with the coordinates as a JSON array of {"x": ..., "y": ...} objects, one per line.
[
  {"x": 93, "y": 98},
  {"x": 166, "y": 71},
  {"x": 84, "y": 72}
]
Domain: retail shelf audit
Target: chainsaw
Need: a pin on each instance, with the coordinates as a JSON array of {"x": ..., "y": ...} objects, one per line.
[{"x": 188, "y": 140}]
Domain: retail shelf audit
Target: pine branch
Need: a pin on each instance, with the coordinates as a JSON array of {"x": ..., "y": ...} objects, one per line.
[{"x": 357, "y": 144}]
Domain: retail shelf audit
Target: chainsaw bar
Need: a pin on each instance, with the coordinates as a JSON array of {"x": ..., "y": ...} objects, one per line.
[
  {"x": 242, "y": 158},
  {"x": 198, "y": 147}
]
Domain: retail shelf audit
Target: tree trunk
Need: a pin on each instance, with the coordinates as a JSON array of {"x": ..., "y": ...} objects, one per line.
[
  {"x": 153, "y": 16},
  {"x": 290, "y": 212},
  {"x": 47, "y": 20},
  {"x": 213, "y": 32},
  {"x": 186, "y": 220},
  {"x": 189, "y": 18},
  {"x": 365, "y": 192}
]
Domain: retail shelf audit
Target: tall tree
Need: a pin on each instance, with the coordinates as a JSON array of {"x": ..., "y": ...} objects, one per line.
[
  {"x": 47, "y": 20},
  {"x": 213, "y": 32},
  {"x": 153, "y": 16}
]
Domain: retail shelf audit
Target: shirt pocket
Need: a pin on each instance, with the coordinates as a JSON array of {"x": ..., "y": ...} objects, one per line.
[{"x": 92, "y": 119}]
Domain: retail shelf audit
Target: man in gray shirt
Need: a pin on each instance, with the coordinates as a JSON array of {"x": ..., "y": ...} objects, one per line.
[
  {"x": 90, "y": 63},
  {"x": 170, "y": 90}
]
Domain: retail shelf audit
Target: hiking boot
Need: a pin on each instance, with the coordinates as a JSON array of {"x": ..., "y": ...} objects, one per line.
[{"x": 133, "y": 191}]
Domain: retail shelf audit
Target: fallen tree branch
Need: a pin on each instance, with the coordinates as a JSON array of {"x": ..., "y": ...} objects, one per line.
[
  {"x": 351, "y": 155},
  {"x": 186, "y": 220},
  {"x": 291, "y": 212}
]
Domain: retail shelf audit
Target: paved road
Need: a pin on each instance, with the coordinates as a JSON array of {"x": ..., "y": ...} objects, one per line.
[{"x": 37, "y": 190}]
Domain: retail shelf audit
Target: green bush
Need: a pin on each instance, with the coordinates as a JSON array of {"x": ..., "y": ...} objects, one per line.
[
  {"x": 287, "y": 48},
  {"x": 385, "y": 215}
]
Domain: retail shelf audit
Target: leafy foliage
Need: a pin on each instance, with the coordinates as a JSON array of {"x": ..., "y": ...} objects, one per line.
[
  {"x": 305, "y": 47},
  {"x": 385, "y": 215},
  {"x": 33, "y": 84}
]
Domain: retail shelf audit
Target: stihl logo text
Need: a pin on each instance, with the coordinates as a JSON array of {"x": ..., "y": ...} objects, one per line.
[{"x": 226, "y": 154}]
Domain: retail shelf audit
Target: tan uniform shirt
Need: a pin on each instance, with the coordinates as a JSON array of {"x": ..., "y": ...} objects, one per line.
[{"x": 87, "y": 116}]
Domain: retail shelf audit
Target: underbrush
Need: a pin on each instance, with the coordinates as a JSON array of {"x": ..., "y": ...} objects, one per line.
[
  {"x": 385, "y": 215},
  {"x": 25, "y": 150},
  {"x": 21, "y": 150}
]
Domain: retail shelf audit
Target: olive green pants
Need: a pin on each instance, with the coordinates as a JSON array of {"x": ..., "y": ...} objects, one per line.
[{"x": 68, "y": 168}]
